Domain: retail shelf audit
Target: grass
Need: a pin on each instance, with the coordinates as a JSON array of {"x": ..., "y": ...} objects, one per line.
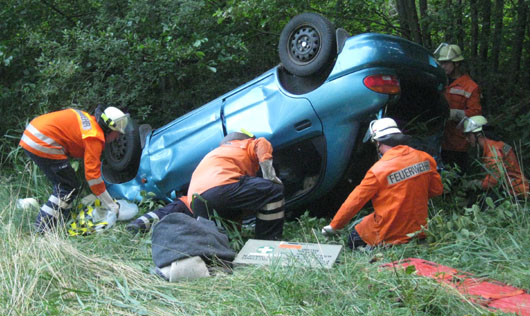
[{"x": 110, "y": 273}]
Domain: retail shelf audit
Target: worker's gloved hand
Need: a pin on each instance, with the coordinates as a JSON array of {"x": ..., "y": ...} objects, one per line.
[
  {"x": 328, "y": 231},
  {"x": 108, "y": 203},
  {"x": 111, "y": 219},
  {"x": 268, "y": 171},
  {"x": 456, "y": 115}
]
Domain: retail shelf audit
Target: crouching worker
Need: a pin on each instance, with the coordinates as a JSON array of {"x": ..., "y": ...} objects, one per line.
[
  {"x": 144, "y": 223},
  {"x": 399, "y": 185},
  {"x": 50, "y": 139},
  {"x": 226, "y": 181},
  {"x": 498, "y": 158}
]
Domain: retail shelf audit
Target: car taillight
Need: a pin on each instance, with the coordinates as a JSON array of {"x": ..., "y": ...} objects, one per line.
[{"x": 383, "y": 84}]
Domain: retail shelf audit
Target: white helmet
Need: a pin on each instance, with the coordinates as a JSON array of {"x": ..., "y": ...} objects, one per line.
[
  {"x": 115, "y": 119},
  {"x": 383, "y": 127},
  {"x": 446, "y": 52},
  {"x": 472, "y": 124}
]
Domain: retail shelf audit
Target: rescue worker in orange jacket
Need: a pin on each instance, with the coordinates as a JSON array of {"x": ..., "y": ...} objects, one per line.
[
  {"x": 226, "y": 181},
  {"x": 498, "y": 158},
  {"x": 50, "y": 139},
  {"x": 463, "y": 96},
  {"x": 399, "y": 185},
  {"x": 144, "y": 223}
]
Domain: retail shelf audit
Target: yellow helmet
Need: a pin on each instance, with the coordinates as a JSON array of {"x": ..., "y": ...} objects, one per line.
[
  {"x": 472, "y": 124},
  {"x": 448, "y": 52}
]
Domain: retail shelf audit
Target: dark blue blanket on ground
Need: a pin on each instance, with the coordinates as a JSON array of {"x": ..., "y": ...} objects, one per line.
[{"x": 178, "y": 236}]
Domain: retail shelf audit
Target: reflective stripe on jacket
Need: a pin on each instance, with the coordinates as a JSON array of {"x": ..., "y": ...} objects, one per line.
[
  {"x": 399, "y": 185},
  {"x": 68, "y": 133},
  {"x": 499, "y": 158},
  {"x": 461, "y": 94},
  {"x": 228, "y": 162}
]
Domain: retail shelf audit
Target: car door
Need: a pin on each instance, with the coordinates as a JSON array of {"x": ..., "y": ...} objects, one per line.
[
  {"x": 264, "y": 110},
  {"x": 177, "y": 148}
]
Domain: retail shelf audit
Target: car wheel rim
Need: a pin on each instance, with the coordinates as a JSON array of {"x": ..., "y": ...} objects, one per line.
[
  {"x": 118, "y": 148},
  {"x": 304, "y": 44}
]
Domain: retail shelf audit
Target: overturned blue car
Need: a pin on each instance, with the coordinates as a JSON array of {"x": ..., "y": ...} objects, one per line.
[{"x": 314, "y": 107}]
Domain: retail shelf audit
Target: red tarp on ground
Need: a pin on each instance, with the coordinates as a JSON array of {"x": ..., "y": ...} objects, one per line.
[{"x": 489, "y": 293}]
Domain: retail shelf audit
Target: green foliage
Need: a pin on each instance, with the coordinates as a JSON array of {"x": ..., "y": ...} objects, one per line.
[
  {"x": 160, "y": 59},
  {"x": 110, "y": 273}
]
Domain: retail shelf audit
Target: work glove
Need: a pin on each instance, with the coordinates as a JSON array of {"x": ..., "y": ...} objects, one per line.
[
  {"x": 328, "y": 231},
  {"x": 108, "y": 203},
  {"x": 268, "y": 171},
  {"x": 128, "y": 210},
  {"x": 456, "y": 115},
  {"x": 111, "y": 219}
]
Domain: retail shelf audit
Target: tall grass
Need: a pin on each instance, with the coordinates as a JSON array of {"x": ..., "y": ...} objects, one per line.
[{"x": 110, "y": 273}]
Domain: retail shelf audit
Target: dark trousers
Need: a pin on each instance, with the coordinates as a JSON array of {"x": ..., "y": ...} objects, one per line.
[
  {"x": 65, "y": 189},
  {"x": 259, "y": 195},
  {"x": 145, "y": 221},
  {"x": 355, "y": 240}
]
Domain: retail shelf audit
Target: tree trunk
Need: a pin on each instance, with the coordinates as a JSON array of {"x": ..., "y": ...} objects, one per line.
[
  {"x": 485, "y": 35},
  {"x": 497, "y": 35},
  {"x": 474, "y": 29},
  {"x": 449, "y": 34},
  {"x": 458, "y": 26},
  {"x": 402, "y": 16},
  {"x": 526, "y": 61},
  {"x": 518, "y": 39},
  {"x": 425, "y": 28},
  {"x": 412, "y": 21}
]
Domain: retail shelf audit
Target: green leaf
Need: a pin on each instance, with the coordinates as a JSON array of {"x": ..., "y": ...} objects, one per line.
[
  {"x": 410, "y": 269},
  {"x": 490, "y": 203}
]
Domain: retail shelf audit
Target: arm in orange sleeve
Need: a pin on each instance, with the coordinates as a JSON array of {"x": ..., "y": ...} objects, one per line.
[
  {"x": 365, "y": 191},
  {"x": 263, "y": 149},
  {"x": 473, "y": 106},
  {"x": 92, "y": 160},
  {"x": 436, "y": 186},
  {"x": 492, "y": 168},
  {"x": 489, "y": 181},
  {"x": 492, "y": 174}
]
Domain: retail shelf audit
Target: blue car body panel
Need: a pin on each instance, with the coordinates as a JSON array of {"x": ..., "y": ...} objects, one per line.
[{"x": 334, "y": 111}]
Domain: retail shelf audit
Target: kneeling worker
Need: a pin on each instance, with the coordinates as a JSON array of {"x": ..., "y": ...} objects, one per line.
[
  {"x": 399, "y": 185},
  {"x": 498, "y": 158},
  {"x": 226, "y": 179}
]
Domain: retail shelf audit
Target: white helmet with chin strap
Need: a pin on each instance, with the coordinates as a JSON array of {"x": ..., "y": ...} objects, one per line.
[
  {"x": 382, "y": 127},
  {"x": 113, "y": 118}
]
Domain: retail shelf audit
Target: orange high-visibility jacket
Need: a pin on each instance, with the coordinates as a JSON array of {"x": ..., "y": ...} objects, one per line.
[
  {"x": 228, "y": 162},
  {"x": 461, "y": 94},
  {"x": 499, "y": 158},
  {"x": 399, "y": 185},
  {"x": 68, "y": 133}
]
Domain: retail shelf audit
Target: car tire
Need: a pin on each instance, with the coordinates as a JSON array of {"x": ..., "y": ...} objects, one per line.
[
  {"x": 307, "y": 44},
  {"x": 124, "y": 152}
]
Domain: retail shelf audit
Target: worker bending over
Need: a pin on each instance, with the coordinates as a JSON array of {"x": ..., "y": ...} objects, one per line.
[
  {"x": 226, "y": 181},
  {"x": 498, "y": 158},
  {"x": 399, "y": 185},
  {"x": 50, "y": 139}
]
